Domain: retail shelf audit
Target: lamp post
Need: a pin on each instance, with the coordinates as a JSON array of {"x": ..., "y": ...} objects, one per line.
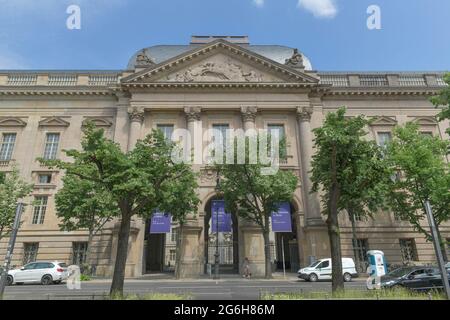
[
  {"x": 216, "y": 255},
  {"x": 10, "y": 249}
]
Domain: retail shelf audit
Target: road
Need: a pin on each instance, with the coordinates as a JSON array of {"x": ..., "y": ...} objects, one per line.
[{"x": 234, "y": 289}]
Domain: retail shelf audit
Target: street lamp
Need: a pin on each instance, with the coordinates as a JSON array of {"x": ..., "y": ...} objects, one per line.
[
  {"x": 10, "y": 249},
  {"x": 216, "y": 255}
]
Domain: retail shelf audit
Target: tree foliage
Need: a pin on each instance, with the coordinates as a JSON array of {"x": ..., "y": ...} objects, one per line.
[
  {"x": 443, "y": 100},
  {"x": 12, "y": 189},
  {"x": 349, "y": 171},
  {"x": 424, "y": 176},
  {"x": 139, "y": 182},
  {"x": 253, "y": 194}
]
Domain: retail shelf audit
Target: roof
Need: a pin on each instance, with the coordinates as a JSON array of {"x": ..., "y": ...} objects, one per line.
[{"x": 161, "y": 53}]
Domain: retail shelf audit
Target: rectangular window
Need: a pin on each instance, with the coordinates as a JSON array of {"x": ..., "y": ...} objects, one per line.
[
  {"x": 222, "y": 128},
  {"x": 384, "y": 138},
  {"x": 30, "y": 251},
  {"x": 45, "y": 178},
  {"x": 360, "y": 249},
  {"x": 167, "y": 130},
  {"x": 51, "y": 146},
  {"x": 408, "y": 249},
  {"x": 426, "y": 133},
  {"x": 79, "y": 253},
  {"x": 172, "y": 254},
  {"x": 39, "y": 209},
  {"x": 282, "y": 136},
  {"x": 174, "y": 235},
  {"x": 8, "y": 142}
]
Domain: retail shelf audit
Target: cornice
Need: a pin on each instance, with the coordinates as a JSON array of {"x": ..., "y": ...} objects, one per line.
[{"x": 385, "y": 91}]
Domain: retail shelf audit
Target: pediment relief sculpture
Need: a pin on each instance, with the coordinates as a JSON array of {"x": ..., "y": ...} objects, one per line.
[
  {"x": 12, "y": 122},
  {"x": 220, "y": 69}
]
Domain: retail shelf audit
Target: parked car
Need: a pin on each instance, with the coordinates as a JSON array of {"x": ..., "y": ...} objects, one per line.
[
  {"x": 414, "y": 278},
  {"x": 43, "y": 272},
  {"x": 321, "y": 270}
]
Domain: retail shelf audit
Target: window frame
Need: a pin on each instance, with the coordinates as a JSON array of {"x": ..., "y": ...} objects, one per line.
[
  {"x": 9, "y": 153},
  {"x": 51, "y": 153},
  {"x": 27, "y": 254},
  {"x": 38, "y": 217},
  {"x": 412, "y": 248}
]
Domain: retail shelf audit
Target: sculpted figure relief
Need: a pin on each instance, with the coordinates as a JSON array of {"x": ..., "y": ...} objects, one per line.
[{"x": 216, "y": 71}]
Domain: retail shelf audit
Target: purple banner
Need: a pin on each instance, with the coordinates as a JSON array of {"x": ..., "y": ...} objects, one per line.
[
  {"x": 218, "y": 213},
  {"x": 281, "y": 220},
  {"x": 160, "y": 223}
]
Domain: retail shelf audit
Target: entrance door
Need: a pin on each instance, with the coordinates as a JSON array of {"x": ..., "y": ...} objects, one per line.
[
  {"x": 160, "y": 251},
  {"x": 227, "y": 245}
]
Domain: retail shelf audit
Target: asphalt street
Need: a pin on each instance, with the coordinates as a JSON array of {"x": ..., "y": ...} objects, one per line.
[{"x": 234, "y": 289}]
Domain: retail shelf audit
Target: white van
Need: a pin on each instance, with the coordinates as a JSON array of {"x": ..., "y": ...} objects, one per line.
[{"x": 321, "y": 270}]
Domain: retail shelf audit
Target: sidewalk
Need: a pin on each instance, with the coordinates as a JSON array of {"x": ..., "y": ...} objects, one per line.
[{"x": 169, "y": 277}]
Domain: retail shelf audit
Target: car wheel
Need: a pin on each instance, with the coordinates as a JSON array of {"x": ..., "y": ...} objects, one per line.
[
  {"x": 46, "y": 280},
  {"x": 347, "y": 277},
  {"x": 313, "y": 277},
  {"x": 9, "y": 281}
]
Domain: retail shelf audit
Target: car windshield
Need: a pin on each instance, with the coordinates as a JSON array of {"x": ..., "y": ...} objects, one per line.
[
  {"x": 314, "y": 264},
  {"x": 399, "y": 272}
]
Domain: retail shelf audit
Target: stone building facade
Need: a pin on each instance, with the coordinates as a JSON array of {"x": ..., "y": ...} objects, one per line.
[{"x": 211, "y": 82}]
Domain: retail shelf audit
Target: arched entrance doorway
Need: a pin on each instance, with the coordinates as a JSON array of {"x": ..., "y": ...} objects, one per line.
[
  {"x": 160, "y": 250},
  {"x": 287, "y": 243},
  {"x": 227, "y": 245}
]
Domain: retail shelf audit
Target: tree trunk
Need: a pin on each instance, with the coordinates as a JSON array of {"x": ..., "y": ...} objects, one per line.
[
  {"x": 179, "y": 251},
  {"x": 268, "y": 264},
  {"x": 335, "y": 241},
  {"x": 121, "y": 256},
  {"x": 88, "y": 269},
  {"x": 351, "y": 215}
]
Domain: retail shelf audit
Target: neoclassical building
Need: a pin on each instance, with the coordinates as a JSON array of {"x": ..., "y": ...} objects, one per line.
[{"x": 213, "y": 82}]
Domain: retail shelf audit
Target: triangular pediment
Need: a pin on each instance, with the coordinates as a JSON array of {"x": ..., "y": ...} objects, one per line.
[
  {"x": 384, "y": 121},
  {"x": 220, "y": 62},
  {"x": 12, "y": 122},
  {"x": 53, "y": 122}
]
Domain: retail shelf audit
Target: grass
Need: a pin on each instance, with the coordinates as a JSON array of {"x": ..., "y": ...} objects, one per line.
[
  {"x": 84, "y": 277},
  {"x": 392, "y": 294},
  {"x": 153, "y": 296}
]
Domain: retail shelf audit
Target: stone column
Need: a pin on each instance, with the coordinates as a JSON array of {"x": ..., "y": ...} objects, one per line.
[
  {"x": 316, "y": 242},
  {"x": 193, "y": 120},
  {"x": 136, "y": 119},
  {"x": 313, "y": 215},
  {"x": 136, "y": 255},
  {"x": 249, "y": 117}
]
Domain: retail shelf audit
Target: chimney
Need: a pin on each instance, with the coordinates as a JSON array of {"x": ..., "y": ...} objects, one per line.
[{"x": 207, "y": 39}]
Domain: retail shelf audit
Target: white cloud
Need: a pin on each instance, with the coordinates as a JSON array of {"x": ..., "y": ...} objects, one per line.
[
  {"x": 259, "y": 3},
  {"x": 319, "y": 8}
]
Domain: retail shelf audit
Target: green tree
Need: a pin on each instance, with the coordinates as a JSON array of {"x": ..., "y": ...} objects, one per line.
[
  {"x": 443, "y": 100},
  {"x": 140, "y": 182},
  {"x": 424, "y": 176},
  {"x": 12, "y": 189},
  {"x": 345, "y": 163},
  {"x": 254, "y": 193},
  {"x": 81, "y": 204}
]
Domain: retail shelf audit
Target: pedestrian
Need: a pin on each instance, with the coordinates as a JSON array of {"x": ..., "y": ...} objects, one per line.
[{"x": 247, "y": 274}]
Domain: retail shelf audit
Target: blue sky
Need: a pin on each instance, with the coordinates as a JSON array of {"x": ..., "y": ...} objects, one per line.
[{"x": 415, "y": 34}]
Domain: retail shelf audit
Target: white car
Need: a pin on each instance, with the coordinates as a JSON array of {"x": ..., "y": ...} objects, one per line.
[
  {"x": 321, "y": 270},
  {"x": 43, "y": 272}
]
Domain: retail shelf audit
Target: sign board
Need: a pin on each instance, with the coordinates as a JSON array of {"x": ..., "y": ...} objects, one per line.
[
  {"x": 218, "y": 214},
  {"x": 281, "y": 220},
  {"x": 160, "y": 223}
]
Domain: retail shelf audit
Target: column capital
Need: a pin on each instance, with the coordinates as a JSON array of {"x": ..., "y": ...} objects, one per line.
[
  {"x": 249, "y": 114},
  {"x": 193, "y": 113},
  {"x": 304, "y": 113},
  {"x": 136, "y": 114}
]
